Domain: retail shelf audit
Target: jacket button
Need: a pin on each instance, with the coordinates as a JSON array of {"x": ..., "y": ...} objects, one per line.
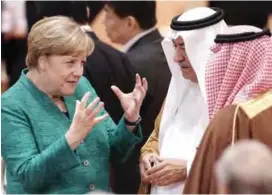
[
  {"x": 86, "y": 163},
  {"x": 92, "y": 186}
]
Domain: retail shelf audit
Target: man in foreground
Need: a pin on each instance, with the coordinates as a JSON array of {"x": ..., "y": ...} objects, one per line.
[{"x": 238, "y": 85}]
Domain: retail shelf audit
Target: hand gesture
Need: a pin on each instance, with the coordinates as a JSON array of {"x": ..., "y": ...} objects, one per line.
[
  {"x": 145, "y": 164},
  {"x": 85, "y": 118},
  {"x": 132, "y": 102}
]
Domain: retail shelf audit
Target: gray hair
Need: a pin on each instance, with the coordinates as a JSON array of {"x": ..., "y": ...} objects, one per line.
[{"x": 246, "y": 168}]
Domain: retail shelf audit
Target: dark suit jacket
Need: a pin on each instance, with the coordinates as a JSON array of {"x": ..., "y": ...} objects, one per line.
[
  {"x": 147, "y": 58},
  {"x": 107, "y": 66},
  {"x": 245, "y": 12}
]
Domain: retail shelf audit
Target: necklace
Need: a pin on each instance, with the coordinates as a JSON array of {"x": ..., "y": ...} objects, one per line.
[
  {"x": 56, "y": 98},
  {"x": 58, "y": 101}
]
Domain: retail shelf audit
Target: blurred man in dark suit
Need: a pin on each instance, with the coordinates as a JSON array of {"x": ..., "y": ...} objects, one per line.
[{"x": 132, "y": 24}]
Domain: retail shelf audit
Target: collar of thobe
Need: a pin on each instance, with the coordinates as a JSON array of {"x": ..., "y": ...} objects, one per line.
[{"x": 132, "y": 41}]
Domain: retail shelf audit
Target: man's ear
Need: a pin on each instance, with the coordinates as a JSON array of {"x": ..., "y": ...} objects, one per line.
[
  {"x": 88, "y": 12},
  {"x": 132, "y": 22}
]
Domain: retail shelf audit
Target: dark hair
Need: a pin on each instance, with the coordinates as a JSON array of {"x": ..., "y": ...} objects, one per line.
[
  {"x": 143, "y": 11},
  {"x": 79, "y": 11},
  {"x": 74, "y": 9},
  {"x": 53, "y": 8},
  {"x": 95, "y": 8}
]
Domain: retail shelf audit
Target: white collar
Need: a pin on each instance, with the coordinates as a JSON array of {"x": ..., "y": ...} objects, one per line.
[
  {"x": 86, "y": 28},
  {"x": 132, "y": 41}
]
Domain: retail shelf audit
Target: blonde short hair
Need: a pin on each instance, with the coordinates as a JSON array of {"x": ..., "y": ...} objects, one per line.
[{"x": 57, "y": 35}]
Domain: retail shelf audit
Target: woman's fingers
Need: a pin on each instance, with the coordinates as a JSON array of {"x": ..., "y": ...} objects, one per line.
[
  {"x": 84, "y": 100},
  {"x": 145, "y": 84},
  {"x": 100, "y": 118},
  {"x": 91, "y": 106},
  {"x": 96, "y": 110}
]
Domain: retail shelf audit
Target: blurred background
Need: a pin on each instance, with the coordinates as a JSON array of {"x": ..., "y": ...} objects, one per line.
[{"x": 17, "y": 17}]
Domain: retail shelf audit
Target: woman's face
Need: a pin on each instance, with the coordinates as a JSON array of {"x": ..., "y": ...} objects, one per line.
[{"x": 62, "y": 73}]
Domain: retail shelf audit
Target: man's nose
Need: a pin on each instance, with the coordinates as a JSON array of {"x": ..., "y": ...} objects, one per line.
[{"x": 179, "y": 56}]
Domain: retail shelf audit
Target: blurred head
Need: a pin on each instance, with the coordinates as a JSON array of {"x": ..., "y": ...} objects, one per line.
[
  {"x": 245, "y": 168},
  {"x": 78, "y": 10},
  {"x": 57, "y": 50},
  {"x": 94, "y": 8},
  {"x": 125, "y": 19},
  {"x": 182, "y": 60},
  {"x": 53, "y": 8}
]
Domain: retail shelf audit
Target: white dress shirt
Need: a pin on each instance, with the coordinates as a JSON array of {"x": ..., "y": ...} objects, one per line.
[{"x": 132, "y": 41}]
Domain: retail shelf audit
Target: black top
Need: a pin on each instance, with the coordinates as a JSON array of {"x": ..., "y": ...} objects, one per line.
[
  {"x": 148, "y": 59},
  {"x": 105, "y": 67},
  {"x": 253, "y": 13}
]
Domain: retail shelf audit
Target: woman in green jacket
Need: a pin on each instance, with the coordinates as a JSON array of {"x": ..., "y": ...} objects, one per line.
[{"x": 56, "y": 135}]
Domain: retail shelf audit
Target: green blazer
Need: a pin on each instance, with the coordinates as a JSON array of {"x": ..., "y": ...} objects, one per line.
[{"x": 36, "y": 153}]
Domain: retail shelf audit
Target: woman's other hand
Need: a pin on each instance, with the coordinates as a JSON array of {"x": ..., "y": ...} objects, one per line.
[
  {"x": 132, "y": 102},
  {"x": 85, "y": 118}
]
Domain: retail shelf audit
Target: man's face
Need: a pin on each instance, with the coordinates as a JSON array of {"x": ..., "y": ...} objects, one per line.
[
  {"x": 117, "y": 28},
  {"x": 183, "y": 61}
]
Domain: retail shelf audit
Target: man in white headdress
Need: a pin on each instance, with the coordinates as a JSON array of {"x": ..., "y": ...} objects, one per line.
[{"x": 184, "y": 116}]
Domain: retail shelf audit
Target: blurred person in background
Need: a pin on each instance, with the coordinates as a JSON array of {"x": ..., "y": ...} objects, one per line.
[
  {"x": 56, "y": 137},
  {"x": 245, "y": 168},
  {"x": 14, "y": 30},
  {"x": 255, "y": 13},
  {"x": 3, "y": 178},
  {"x": 238, "y": 87},
  {"x": 94, "y": 8},
  {"x": 133, "y": 24}
]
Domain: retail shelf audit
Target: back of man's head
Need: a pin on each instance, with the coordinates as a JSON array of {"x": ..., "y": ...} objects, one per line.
[
  {"x": 95, "y": 7},
  {"x": 73, "y": 9},
  {"x": 143, "y": 11},
  {"x": 53, "y": 8},
  {"x": 245, "y": 168}
]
